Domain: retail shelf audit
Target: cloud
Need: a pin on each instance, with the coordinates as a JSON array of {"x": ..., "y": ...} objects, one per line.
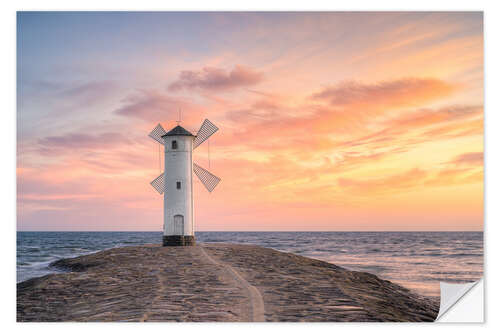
[
  {"x": 425, "y": 117},
  {"x": 410, "y": 179},
  {"x": 402, "y": 92},
  {"x": 349, "y": 103},
  {"x": 88, "y": 89},
  {"x": 473, "y": 159},
  {"x": 306, "y": 129},
  {"x": 87, "y": 93},
  {"x": 455, "y": 176},
  {"x": 457, "y": 129},
  {"x": 77, "y": 185},
  {"x": 258, "y": 112},
  {"x": 391, "y": 183},
  {"x": 83, "y": 141},
  {"x": 211, "y": 78},
  {"x": 154, "y": 106},
  {"x": 432, "y": 124}
]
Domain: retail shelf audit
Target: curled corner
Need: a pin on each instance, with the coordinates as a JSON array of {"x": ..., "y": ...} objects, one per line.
[{"x": 453, "y": 295}]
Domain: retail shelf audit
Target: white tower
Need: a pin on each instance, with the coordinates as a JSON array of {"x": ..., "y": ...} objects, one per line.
[{"x": 176, "y": 183}]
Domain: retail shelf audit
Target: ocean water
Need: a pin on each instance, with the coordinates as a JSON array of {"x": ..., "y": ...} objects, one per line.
[{"x": 415, "y": 260}]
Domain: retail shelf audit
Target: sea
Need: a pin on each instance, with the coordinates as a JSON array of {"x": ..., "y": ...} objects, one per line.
[{"x": 415, "y": 260}]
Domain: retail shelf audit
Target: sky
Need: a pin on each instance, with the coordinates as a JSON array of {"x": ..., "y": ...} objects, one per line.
[{"x": 340, "y": 121}]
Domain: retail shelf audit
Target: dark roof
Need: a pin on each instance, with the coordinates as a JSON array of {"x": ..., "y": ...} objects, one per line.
[{"x": 177, "y": 130}]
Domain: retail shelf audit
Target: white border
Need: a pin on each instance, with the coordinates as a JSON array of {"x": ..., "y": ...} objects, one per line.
[{"x": 7, "y": 132}]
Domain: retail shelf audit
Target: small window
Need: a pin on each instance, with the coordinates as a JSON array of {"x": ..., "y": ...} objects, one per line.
[
  {"x": 178, "y": 185},
  {"x": 174, "y": 144}
]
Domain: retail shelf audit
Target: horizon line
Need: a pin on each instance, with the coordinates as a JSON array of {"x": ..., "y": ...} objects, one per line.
[{"x": 255, "y": 231}]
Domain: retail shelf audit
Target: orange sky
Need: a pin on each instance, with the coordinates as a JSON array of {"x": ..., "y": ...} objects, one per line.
[{"x": 325, "y": 123}]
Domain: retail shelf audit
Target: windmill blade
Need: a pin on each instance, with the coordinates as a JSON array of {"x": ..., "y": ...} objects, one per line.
[
  {"x": 157, "y": 132},
  {"x": 206, "y": 131},
  {"x": 159, "y": 183},
  {"x": 208, "y": 179}
]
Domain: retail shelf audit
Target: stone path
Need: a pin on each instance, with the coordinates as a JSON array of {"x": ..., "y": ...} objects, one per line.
[
  {"x": 213, "y": 282},
  {"x": 254, "y": 295}
]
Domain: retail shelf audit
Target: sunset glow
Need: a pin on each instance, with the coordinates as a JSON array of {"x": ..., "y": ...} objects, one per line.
[{"x": 325, "y": 123}]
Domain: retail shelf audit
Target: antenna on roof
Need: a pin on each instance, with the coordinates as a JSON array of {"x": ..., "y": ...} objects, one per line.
[{"x": 179, "y": 121}]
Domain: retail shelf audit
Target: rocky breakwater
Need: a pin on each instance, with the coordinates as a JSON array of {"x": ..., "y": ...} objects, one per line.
[{"x": 213, "y": 282}]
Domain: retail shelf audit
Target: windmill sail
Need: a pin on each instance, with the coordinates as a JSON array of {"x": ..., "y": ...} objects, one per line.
[
  {"x": 159, "y": 184},
  {"x": 206, "y": 131},
  {"x": 208, "y": 179},
  {"x": 157, "y": 132}
]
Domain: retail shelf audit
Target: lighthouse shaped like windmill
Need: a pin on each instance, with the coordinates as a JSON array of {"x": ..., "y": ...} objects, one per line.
[{"x": 176, "y": 182}]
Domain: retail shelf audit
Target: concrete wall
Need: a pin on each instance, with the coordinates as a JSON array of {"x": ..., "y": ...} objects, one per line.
[{"x": 178, "y": 168}]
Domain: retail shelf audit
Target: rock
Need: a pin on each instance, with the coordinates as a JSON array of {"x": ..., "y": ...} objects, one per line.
[{"x": 213, "y": 282}]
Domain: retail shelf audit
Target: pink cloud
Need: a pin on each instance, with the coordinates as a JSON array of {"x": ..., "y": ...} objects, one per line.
[
  {"x": 210, "y": 78},
  {"x": 445, "y": 122},
  {"x": 425, "y": 117},
  {"x": 475, "y": 158},
  {"x": 300, "y": 128},
  {"x": 406, "y": 91},
  {"x": 154, "y": 106}
]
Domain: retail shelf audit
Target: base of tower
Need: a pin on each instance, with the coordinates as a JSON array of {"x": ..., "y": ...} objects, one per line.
[{"x": 178, "y": 241}]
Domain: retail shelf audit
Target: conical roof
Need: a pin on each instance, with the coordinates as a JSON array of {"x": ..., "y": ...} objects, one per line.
[{"x": 178, "y": 130}]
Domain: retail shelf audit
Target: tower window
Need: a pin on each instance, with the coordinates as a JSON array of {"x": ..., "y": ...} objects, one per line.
[
  {"x": 174, "y": 144},
  {"x": 178, "y": 185}
]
